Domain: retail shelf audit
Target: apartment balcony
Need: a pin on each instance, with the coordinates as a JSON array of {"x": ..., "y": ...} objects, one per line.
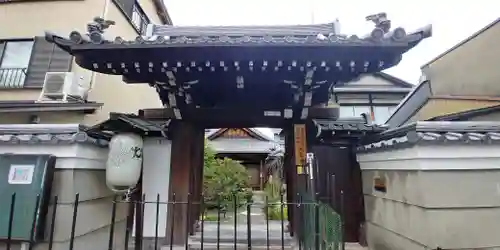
[{"x": 12, "y": 78}]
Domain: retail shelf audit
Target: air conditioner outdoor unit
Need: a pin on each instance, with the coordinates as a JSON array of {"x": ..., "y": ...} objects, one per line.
[{"x": 62, "y": 87}]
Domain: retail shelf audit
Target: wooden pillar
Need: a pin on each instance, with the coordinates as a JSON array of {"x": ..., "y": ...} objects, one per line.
[
  {"x": 185, "y": 136},
  {"x": 300, "y": 140},
  {"x": 198, "y": 150},
  {"x": 357, "y": 197},
  {"x": 290, "y": 172}
]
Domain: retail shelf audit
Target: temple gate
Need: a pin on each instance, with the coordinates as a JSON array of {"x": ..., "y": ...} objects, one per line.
[{"x": 248, "y": 76}]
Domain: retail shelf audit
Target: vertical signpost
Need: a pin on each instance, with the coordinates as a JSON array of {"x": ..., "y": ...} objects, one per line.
[
  {"x": 300, "y": 148},
  {"x": 299, "y": 132}
]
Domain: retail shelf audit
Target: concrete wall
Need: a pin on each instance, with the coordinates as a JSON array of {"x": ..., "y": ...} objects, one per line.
[
  {"x": 156, "y": 176},
  {"x": 437, "y": 196},
  {"x": 444, "y": 106},
  {"x": 80, "y": 168},
  {"x": 470, "y": 69}
]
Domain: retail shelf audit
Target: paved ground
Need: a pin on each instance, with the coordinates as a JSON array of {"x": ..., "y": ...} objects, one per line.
[
  {"x": 354, "y": 246},
  {"x": 261, "y": 233}
]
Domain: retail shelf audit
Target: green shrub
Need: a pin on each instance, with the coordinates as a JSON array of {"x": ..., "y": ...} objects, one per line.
[
  {"x": 223, "y": 181},
  {"x": 274, "y": 212},
  {"x": 273, "y": 189},
  {"x": 210, "y": 217}
]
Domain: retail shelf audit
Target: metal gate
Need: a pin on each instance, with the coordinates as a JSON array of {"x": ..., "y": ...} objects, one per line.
[{"x": 257, "y": 224}]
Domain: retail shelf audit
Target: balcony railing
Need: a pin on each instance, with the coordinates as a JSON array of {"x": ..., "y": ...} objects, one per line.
[{"x": 12, "y": 77}]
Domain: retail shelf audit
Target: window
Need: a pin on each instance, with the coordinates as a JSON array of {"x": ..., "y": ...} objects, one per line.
[
  {"x": 382, "y": 113},
  {"x": 139, "y": 19},
  {"x": 353, "y": 111},
  {"x": 14, "y": 60},
  {"x": 134, "y": 13}
]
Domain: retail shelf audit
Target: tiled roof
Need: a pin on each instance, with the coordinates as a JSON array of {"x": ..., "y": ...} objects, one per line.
[
  {"x": 119, "y": 122},
  {"x": 259, "y": 30},
  {"x": 435, "y": 132},
  {"x": 46, "y": 134},
  {"x": 266, "y": 40},
  {"x": 316, "y": 34},
  {"x": 348, "y": 125}
]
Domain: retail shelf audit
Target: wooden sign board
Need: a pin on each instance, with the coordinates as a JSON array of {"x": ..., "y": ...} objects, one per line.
[
  {"x": 235, "y": 133},
  {"x": 299, "y": 132}
]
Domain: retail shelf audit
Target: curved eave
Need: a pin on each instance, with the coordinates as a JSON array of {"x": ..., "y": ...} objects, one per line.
[
  {"x": 63, "y": 43},
  {"x": 422, "y": 33}
]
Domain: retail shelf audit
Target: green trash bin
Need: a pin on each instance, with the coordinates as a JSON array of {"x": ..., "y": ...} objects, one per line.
[{"x": 28, "y": 176}]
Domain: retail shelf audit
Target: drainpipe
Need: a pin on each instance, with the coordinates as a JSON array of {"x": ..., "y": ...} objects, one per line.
[{"x": 105, "y": 9}]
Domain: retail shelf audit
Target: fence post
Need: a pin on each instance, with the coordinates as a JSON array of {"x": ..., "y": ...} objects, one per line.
[
  {"x": 112, "y": 226},
  {"x": 218, "y": 220},
  {"x": 282, "y": 215},
  {"x": 300, "y": 215},
  {"x": 157, "y": 218},
  {"x": 11, "y": 220},
  {"x": 53, "y": 222},
  {"x": 172, "y": 224},
  {"x": 266, "y": 213},
  {"x": 316, "y": 224},
  {"x": 202, "y": 226},
  {"x": 73, "y": 223},
  {"x": 33, "y": 224},
  {"x": 235, "y": 215},
  {"x": 249, "y": 223},
  {"x": 188, "y": 221},
  {"x": 342, "y": 218}
]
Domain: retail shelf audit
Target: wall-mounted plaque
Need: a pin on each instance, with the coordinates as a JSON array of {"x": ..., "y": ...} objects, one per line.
[
  {"x": 300, "y": 147},
  {"x": 21, "y": 174}
]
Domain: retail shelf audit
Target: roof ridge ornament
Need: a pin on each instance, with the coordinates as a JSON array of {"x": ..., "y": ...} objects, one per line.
[
  {"x": 381, "y": 21},
  {"x": 383, "y": 30},
  {"x": 99, "y": 25},
  {"x": 95, "y": 31}
]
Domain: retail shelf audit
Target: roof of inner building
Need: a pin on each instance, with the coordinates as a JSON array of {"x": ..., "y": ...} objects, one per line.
[
  {"x": 253, "y": 132},
  {"x": 280, "y": 66}
]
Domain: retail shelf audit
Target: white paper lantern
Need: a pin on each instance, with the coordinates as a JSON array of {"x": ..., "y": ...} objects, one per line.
[{"x": 123, "y": 167}]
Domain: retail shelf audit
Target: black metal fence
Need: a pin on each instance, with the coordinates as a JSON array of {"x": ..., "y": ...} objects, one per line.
[
  {"x": 224, "y": 224},
  {"x": 12, "y": 77}
]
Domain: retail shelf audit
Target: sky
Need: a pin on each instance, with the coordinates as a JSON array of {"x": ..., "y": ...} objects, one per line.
[{"x": 453, "y": 21}]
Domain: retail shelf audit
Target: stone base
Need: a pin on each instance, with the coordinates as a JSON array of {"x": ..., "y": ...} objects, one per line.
[
  {"x": 148, "y": 243},
  {"x": 354, "y": 246},
  {"x": 380, "y": 238},
  {"x": 230, "y": 246}
]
